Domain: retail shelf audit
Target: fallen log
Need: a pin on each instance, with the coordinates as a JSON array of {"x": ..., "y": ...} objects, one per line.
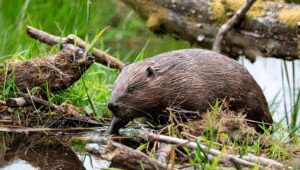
[
  {"x": 100, "y": 56},
  {"x": 56, "y": 72},
  {"x": 269, "y": 30},
  {"x": 124, "y": 157}
]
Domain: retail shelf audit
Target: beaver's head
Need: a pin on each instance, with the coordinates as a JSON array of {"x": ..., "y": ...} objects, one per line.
[{"x": 135, "y": 91}]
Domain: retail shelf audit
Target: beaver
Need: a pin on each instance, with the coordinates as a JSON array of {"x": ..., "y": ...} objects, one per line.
[{"x": 190, "y": 78}]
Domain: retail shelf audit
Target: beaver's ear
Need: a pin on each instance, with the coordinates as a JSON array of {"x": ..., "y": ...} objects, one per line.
[{"x": 150, "y": 72}]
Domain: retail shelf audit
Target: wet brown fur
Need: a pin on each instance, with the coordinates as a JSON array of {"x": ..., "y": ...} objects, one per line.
[{"x": 192, "y": 79}]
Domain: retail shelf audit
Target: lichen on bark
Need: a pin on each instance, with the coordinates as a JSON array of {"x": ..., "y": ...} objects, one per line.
[
  {"x": 289, "y": 16},
  {"x": 223, "y": 9}
]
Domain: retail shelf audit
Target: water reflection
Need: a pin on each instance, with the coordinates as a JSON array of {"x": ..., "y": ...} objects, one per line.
[{"x": 40, "y": 151}]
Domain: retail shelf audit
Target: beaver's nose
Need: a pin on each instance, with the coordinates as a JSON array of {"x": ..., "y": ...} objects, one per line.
[{"x": 113, "y": 106}]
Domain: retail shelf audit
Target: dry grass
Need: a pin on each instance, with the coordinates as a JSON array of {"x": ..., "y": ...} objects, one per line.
[
  {"x": 229, "y": 131},
  {"x": 223, "y": 125}
]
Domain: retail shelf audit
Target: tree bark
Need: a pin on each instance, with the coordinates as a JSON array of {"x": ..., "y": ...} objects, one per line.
[{"x": 269, "y": 29}]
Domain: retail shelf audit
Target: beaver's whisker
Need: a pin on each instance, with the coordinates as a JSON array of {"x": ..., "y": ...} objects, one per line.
[{"x": 131, "y": 115}]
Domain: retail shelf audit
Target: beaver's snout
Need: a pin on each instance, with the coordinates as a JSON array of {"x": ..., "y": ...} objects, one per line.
[{"x": 114, "y": 107}]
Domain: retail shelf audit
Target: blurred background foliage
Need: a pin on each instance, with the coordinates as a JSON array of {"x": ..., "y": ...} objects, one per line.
[
  {"x": 293, "y": 1},
  {"x": 125, "y": 39}
]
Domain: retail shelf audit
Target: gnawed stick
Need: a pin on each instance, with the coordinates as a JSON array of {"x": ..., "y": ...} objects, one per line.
[
  {"x": 234, "y": 20},
  {"x": 249, "y": 160},
  {"x": 100, "y": 56},
  {"x": 124, "y": 157},
  {"x": 33, "y": 100},
  {"x": 16, "y": 102},
  {"x": 26, "y": 99}
]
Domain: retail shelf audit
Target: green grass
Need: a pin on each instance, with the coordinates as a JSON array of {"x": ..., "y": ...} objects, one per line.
[{"x": 291, "y": 111}]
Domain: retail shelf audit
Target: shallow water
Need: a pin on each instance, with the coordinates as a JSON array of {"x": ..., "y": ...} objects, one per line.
[{"x": 27, "y": 153}]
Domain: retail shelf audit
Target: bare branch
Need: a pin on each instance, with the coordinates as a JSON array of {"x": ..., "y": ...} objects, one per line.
[
  {"x": 100, "y": 56},
  {"x": 233, "y": 21}
]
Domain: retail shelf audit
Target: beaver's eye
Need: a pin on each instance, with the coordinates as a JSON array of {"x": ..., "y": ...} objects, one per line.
[{"x": 130, "y": 89}]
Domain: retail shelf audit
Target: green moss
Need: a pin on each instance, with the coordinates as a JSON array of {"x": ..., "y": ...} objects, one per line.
[
  {"x": 256, "y": 10},
  {"x": 218, "y": 12},
  {"x": 220, "y": 9},
  {"x": 289, "y": 16},
  {"x": 157, "y": 18}
]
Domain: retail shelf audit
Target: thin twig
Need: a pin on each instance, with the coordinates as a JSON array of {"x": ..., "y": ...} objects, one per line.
[
  {"x": 233, "y": 21},
  {"x": 32, "y": 100},
  {"x": 16, "y": 102},
  {"x": 100, "y": 56}
]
